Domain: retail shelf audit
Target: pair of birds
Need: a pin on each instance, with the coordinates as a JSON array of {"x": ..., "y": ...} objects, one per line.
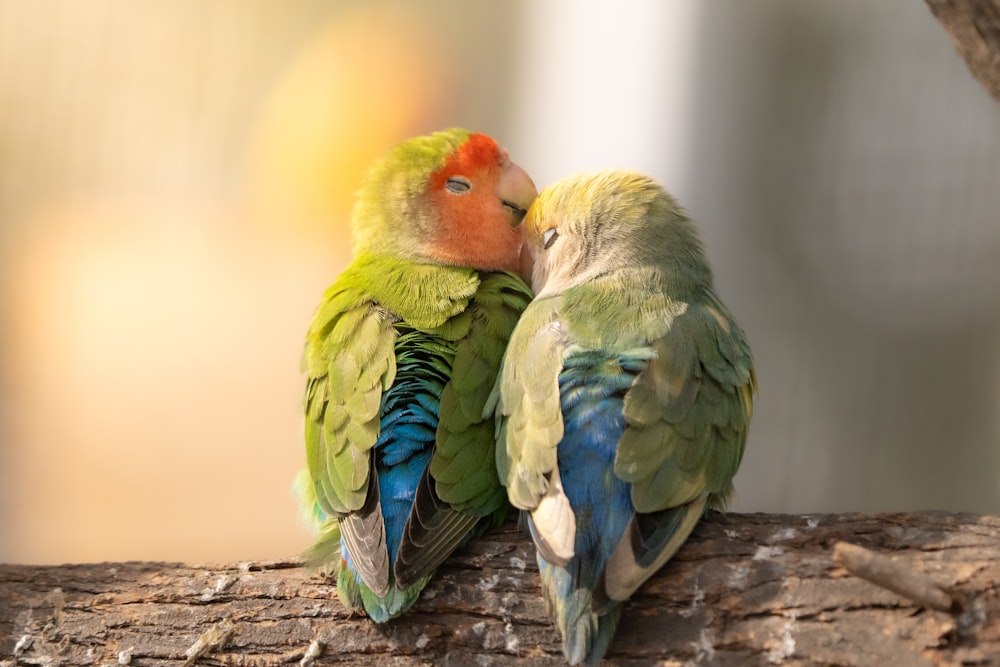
[{"x": 612, "y": 409}]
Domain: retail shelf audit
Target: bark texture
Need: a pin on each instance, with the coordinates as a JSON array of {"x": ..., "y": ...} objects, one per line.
[
  {"x": 974, "y": 26},
  {"x": 747, "y": 589}
]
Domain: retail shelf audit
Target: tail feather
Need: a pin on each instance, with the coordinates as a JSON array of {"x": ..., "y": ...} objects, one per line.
[
  {"x": 586, "y": 636},
  {"x": 607, "y": 624},
  {"x": 649, "y": 541},
  {"x": 355, "y": 595}
]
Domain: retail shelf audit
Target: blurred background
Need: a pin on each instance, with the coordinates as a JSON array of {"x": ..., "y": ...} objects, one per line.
[{"x": 176, "y": 179}]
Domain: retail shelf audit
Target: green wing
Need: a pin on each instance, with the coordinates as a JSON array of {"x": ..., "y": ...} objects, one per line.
[
  {"x": 460, "y": 485},
  {"x": 350, "y": 361},
  {"x": 687, "y": 416},
  {"x": 688, "y": 412},
  {"x": 527, "y": 401}
]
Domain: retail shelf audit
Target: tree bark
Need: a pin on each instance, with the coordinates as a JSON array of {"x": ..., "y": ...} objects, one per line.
[
  {"x": 747, "y": 589},
  {"x": 974, "y": 26}
]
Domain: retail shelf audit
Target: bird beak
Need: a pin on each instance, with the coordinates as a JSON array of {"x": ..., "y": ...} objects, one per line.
[{"x": 516, "y": 191}]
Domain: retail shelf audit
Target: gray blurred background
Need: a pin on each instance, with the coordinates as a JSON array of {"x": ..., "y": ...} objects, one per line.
[{"x": 175, "y": 181}]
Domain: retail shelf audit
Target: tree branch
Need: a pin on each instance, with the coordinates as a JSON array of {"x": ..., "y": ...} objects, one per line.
[
  {"x": 974, "y": 26},
  {"x": 747, "y": 589}
]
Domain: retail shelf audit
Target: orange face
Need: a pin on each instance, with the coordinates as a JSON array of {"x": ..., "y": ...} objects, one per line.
[{"x": 481, "y": 198}]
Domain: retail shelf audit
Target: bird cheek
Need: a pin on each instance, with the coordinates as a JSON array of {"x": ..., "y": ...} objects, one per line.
[{"x": 539, "y": 274}]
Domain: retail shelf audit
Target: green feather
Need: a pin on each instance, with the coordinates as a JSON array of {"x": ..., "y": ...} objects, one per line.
[
  {"x": 465, "y": 437},
  {"x": 527, "y": 396},
  {"x": 350, "y": 360}
]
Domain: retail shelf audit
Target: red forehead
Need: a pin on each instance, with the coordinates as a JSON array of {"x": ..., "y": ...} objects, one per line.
[{"x": 478, "y": 151}]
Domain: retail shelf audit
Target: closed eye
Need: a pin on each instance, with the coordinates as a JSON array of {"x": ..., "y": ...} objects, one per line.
[
  {"x": 549, "y": 237},
  {"x": 458, "y": 185}
]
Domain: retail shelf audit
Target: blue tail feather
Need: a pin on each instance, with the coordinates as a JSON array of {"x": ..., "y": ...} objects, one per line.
[{"x": 592, "y": 388}]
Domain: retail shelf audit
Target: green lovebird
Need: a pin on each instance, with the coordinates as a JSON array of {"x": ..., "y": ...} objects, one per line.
[
  {"x": 401, "y": 356},
  {"x": 624, "y": 399}
]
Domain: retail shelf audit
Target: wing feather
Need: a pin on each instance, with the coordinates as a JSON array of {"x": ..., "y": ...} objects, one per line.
[
  {"x": 696, "y": 441},
  {"x": 349, "y": 360},
  {"x": 687, "y": 417},
  {"x": 527, "y": 400},
  {"x": 457, "y": 490},
  {"x": 363, "y": 532}
]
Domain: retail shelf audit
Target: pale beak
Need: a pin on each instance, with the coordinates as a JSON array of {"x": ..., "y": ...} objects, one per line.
[{"x": 516, "y": 191}]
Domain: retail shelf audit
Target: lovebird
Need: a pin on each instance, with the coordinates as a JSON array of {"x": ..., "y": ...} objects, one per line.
[
  {"x": 624, "y": 398},
  {"x": 400, "y": 358}
]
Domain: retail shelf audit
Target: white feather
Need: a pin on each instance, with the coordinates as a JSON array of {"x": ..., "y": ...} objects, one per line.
[{"x": 554, "y": 523}]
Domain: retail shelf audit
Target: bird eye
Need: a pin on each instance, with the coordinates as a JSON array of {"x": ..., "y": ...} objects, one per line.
[
  {"x": 549, "y": 237},
  {"x": 458, "y": 185}
]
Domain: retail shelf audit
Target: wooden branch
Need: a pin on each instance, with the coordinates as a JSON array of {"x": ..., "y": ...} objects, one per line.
[
  {"x": 897, "y": 577},
  {"x": 974, "y": 26},
  {"x": 747, "y": 589}
]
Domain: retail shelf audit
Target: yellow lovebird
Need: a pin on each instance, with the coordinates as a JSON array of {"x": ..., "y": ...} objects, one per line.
[{"x": 624, "y": 399}]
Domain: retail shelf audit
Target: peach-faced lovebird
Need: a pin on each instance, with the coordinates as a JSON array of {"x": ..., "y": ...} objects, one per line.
[
  {"x": 401, "y": 356},
  {"x": 624, "y": 399}
]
